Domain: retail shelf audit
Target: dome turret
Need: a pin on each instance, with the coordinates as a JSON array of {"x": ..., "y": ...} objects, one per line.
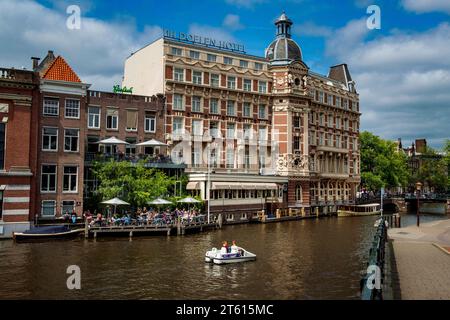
[{"x": 283, "y": 50}]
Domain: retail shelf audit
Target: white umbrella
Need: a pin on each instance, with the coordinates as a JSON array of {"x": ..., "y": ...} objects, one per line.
[
  {"x": 188, "y": 200},
  {"x": 116, "y": 202},
  {"x": 159, "y": 201},
  {"x": 151, "y": 143},
  {"x": 112, "y": 140}
]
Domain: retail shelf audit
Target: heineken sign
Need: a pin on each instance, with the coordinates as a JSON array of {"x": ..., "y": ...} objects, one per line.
[
  {"x": 118, "y": 89},
  {"x": 203, "y": 41}
]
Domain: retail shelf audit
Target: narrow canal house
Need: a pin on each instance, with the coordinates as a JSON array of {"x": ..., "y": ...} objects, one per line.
[
  {"x": 61, "y": 135},
  {"x": 276, "y": 132},
  {"x": 18, "y": 143}
]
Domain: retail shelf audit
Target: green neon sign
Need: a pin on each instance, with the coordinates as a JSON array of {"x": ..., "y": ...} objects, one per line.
[{"x": 118, "y": 89}]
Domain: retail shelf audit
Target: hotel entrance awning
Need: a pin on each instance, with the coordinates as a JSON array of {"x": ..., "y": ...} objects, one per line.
[{"x": 243, "y": 186}]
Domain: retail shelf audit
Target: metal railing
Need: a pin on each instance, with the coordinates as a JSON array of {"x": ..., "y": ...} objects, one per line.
[{"x": 371, "y": 283}]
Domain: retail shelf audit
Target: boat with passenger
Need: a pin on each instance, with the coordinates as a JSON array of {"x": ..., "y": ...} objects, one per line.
[
  {"x": 227, "y": 255},
  {"x": 371, "y": 209},
  {"x": 47, "y": 233}
]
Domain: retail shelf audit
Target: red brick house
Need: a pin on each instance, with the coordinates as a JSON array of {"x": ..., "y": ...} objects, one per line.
[
  {"x": 18, "y": 114},
  {"x": 61, "y": 133}
]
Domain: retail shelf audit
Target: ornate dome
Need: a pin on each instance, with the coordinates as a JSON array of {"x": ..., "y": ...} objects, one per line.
[{"x": 283, "y": 49}]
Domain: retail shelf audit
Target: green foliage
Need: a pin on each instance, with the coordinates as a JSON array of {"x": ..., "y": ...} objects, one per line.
[
  {"x": 381, "y": 164},
  {"x": 433, "y": 170},
  {"x": 133, "y": 183}
]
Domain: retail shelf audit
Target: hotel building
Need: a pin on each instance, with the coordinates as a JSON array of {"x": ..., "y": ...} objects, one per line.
[{"x": 254, "y": 131}]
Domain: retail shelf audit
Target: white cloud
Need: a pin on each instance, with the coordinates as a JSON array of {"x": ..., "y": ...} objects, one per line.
[
  {"x": 96, "y": 52},
  {"x": 233, "y": 22},
  {"x": 403, "y": 79},
  {"x": 311, "y": 29},
  {"x": 424, "y": 6}
]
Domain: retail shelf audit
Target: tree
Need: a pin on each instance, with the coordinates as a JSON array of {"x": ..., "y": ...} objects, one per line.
[
  {"x": 132, "y": 182},
  {"x": 381, "y": 163},
  {"x": 447, "y": 160},
  {"x": 433, "y": 170}
]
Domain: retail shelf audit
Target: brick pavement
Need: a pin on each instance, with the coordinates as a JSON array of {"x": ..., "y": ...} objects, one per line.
[{"x": 423, "y": 268}]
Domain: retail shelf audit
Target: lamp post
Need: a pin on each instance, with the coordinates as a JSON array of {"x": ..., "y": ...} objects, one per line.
[{"x": 418, "y": 187}]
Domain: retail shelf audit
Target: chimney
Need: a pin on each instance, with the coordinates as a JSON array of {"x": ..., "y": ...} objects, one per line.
[{"x": 35, "y": 62}]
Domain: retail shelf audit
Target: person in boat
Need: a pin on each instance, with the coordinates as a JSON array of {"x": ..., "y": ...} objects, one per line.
[
  {"x": 234, "y": 247},
  {"x": 224, "y": 249}
]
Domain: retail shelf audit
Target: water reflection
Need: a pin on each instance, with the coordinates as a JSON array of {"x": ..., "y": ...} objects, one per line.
[{"x": 309, "y": 259}]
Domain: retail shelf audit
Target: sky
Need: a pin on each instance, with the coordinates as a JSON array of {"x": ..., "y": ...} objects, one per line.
[{"x": 402, "y": 69}]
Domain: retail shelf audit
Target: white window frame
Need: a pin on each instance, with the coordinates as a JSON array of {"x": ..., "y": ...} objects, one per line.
[
  {"x": 243, "y": 63},
  {"x": 217, "y": 111},
  {"x": 247, "y": 86},
  {"x": 227, "y": 60},
  {"x": 182, "y": 126},
  {"x": 174, "y": 105},
  {"x": 231, "y": 82},
  {"x": 57, "y": 139},
  {"x": 196, "y": 79},
  {"x": 211, "y": 57},
  {"x": 228, "y": 108},
  {"x": 117, "y": 121},
  {"x": 42, "y": 208},
  {"x": 231, "y": 132},
  {"x": 199, "y": 129},
  {"x": 176, "y": 51},
  {"x": 262, "y": 86},
  {"x": 78, "y": 140},
  {"x": 66, "y": 109},
  {"x": 259, "y": 66},
  {"x": 137, "y": 122},
  {"x": 147, "y": 123},
  {"x": 213, "y": 80},
  {"x": 260, "y": 136},
  {"x": 244, "y": 113},
  {"x": 44, "y": 107},
  {"x": 177, "y": 75},
  {"x": 198, "y": 104},
  {"x": 70, "y": 175},
  {"x": 55, "y": 174},
  {"x": 193, "y": 54},
  {"x": 262, "y": 107},
  {"x": 96, "y": 116}
]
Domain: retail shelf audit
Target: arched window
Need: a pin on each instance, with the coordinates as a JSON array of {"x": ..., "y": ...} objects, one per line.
[{"x": 298, "y": 193}]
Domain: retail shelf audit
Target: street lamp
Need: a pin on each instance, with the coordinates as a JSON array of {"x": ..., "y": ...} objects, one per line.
[{"x": 418, "y": 187}]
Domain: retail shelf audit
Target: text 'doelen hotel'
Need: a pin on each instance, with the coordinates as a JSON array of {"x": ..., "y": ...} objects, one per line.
[{"x": 277, "y": 134}]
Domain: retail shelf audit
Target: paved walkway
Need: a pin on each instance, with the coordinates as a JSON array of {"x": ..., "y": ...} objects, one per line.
[{"x": 423, "y": 265}]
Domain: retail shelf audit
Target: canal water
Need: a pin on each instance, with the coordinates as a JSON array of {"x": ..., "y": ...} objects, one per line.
[{"x": 307, "y": 259}]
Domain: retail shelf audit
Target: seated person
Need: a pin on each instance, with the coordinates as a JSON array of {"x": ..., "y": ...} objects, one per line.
[
  {"x": 224, "y": 249},
  {"x": 234, "y": 247}
]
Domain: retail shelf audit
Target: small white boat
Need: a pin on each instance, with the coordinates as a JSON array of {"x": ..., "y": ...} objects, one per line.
[{"x": 219, "y": 257}]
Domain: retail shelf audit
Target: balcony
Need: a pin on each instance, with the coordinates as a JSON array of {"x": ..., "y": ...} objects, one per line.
[
  {"x": 150, "y": 161},
  {"x": 332, "y": 149}
]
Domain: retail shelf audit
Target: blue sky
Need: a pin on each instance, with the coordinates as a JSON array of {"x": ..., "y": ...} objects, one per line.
[{"x": 402, "y": 70}]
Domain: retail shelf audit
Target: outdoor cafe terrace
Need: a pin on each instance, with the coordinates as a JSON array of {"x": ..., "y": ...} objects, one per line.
[{"x": 150, "y": 161}]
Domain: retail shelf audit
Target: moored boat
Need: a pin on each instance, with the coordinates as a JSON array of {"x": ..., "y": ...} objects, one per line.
[
  {"x": 359, "y": 210},
  {"x": 46, "y": 233},
  {"x": 239, "y": 255}
]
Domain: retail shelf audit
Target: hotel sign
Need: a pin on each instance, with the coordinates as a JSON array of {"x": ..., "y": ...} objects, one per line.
[{"x": 204, "y": 41}]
